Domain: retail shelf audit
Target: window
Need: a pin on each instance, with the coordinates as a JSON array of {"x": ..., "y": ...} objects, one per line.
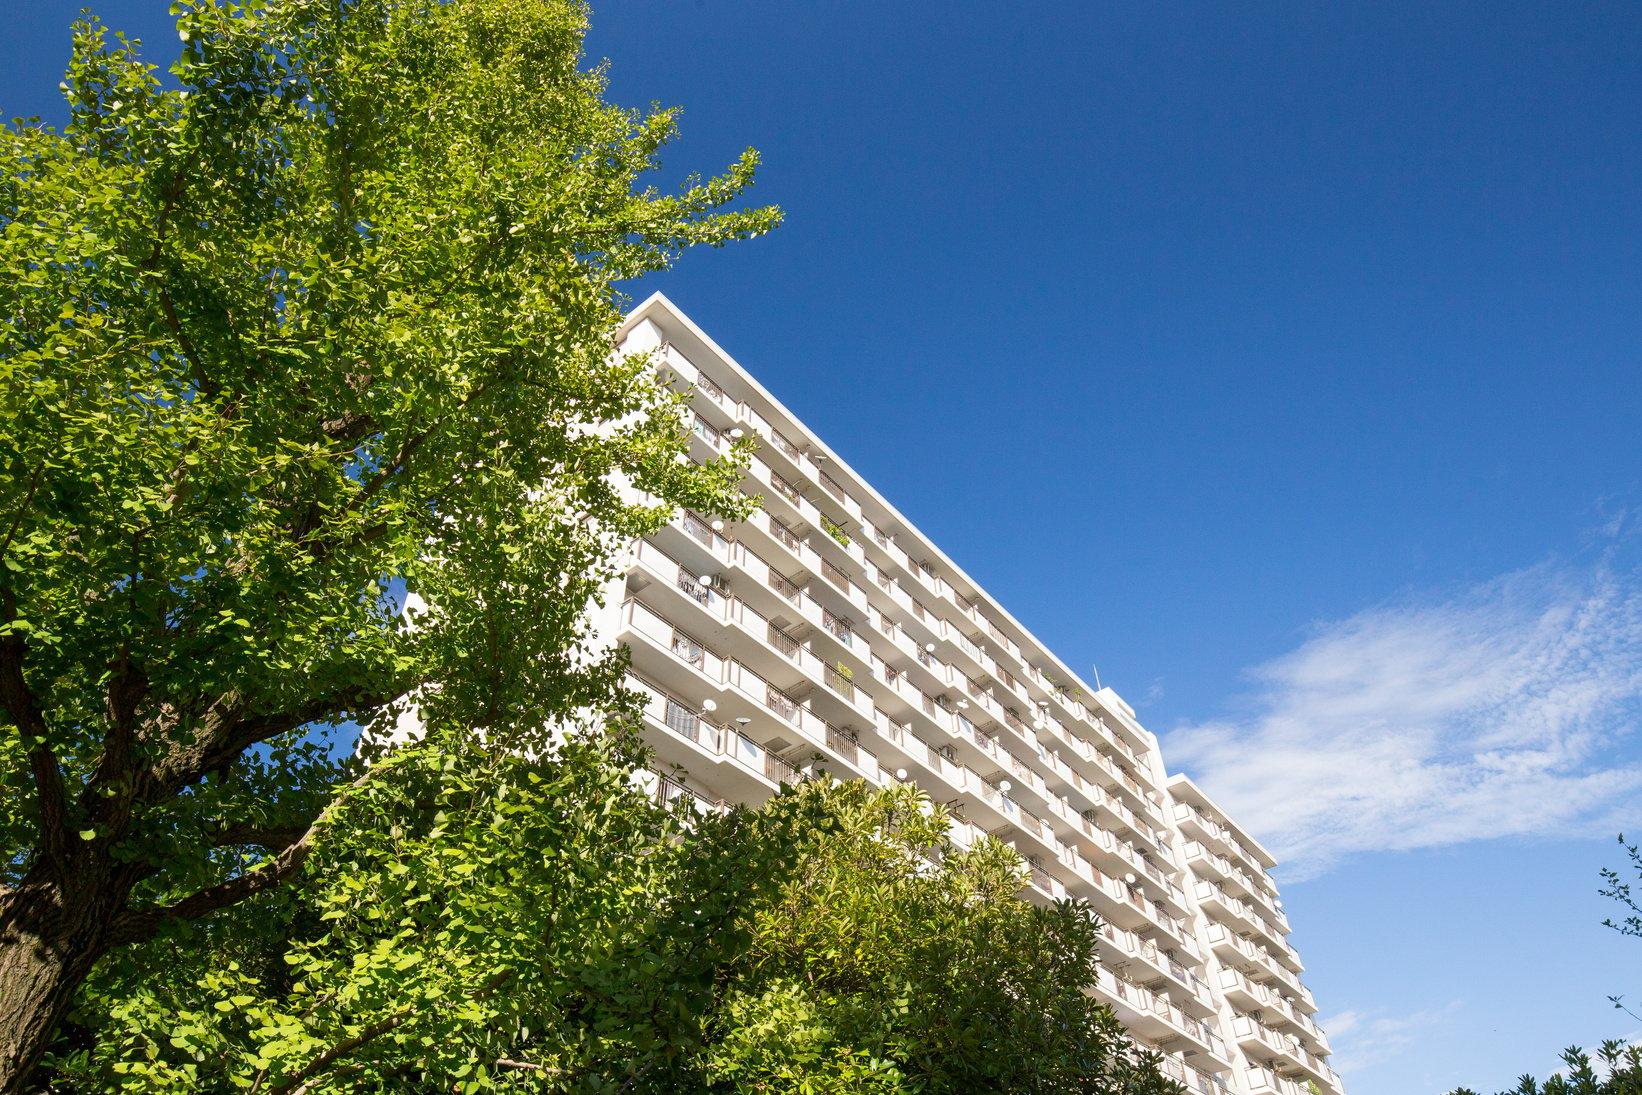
[
  {"x": 681, "y": 720},
  {"x": 784, "y": 487},
  {"x": 700, "y": 427},
  {"x": 783, "y": 642},
  {"x": 781, "y": 703},
  {"x": 700, "y": 529},
  {"x": 780, "y": 531},
  {"x": 709, "y": 388},
  {"x": 688, "y": 650},
  {"x": 702, "y": 595},
  {"x": 837, "y": 628}
]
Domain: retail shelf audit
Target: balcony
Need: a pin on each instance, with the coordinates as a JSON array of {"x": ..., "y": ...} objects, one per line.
[
  {"x": 1264, "y": 1081},
  {"x": 1231, "y": 911},
  {"x": 731, "y": 762},
  {"x": 1284, "y": 1051},
  {"x": 851, "y": 507}
]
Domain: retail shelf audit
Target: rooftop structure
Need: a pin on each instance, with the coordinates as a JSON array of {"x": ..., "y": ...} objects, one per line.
[{"x": 828, "y": 626}]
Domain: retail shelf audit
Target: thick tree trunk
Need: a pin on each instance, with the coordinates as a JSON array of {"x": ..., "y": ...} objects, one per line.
[{"x": 50, "y": 937}]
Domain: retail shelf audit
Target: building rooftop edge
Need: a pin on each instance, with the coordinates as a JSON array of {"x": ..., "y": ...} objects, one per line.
[
  {"x": 1181, "y": 778},
  {"x": 659, "y": 301}
]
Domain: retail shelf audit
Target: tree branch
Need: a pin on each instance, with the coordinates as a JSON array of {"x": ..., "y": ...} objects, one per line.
[
  {"x": 273, "y": 838},
  {"x": 376, "y": 482},
  {"x": 228, "y": 731},
  {"x": 349, "y": 429},
  {"x": 172, "y": 193},
  {"x": 23, "y": 506},
  {"x": 136, "y": 925},
  {"x": 294, "y": 1085},
  {"x": 19, "y": 703},
  {"x": 313, "y": 1085},
  {"x": 126, "y": 690},
  {"x": 207, "y": 387},
  {"x": 303, "y": 1076},
  {"x": 504, "y": 1062}
]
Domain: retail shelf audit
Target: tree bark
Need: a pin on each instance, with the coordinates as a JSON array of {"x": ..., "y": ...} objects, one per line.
[{"x": 51, "y": 935}]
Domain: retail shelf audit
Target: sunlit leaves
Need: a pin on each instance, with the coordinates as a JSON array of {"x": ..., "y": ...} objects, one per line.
[{"x": 330, "y": 322}]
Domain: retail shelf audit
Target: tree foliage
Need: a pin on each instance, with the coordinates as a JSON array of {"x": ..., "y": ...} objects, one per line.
[
  {"x": 894, "y": 961},
  {"x": 1618, "y": 1066},
  {"x": 1617, "y": 1071},
  {"x": 542, "y": 925},
  {"x": 331, "y": 320},
  {"x": 511, "y": 923}
]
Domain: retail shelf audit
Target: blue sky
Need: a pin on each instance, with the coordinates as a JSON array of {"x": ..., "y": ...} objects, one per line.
[{"x": 1280, "y": 359}]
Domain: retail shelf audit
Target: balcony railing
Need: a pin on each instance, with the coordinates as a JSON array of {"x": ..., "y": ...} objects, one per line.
[
  {"x": 837, "y": 628},
  {"x": 781, "y": 703},
  {"x": 709, "y": 388},
  {"x": 835, "y": 574},
  {"x": 841, "y": 682},
  {"x": 782, "y": 641},
  {"x": 669, "y": 790},
  {"x": 692, "y": 588},
  {"x": 785, "y": 488},
  {"x": 781, "y": 532},
  {"x": 699, "y": 528},
  {"x": 688, "y": 651},
  {"x": 785, "y": 587},
  {"x": 830, "y": 485},
  {"x": 684, "y": 722},
  {"x": 702, "y": 429}
]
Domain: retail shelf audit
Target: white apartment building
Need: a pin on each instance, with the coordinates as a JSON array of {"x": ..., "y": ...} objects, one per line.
[{"x": 827, "y": 626}]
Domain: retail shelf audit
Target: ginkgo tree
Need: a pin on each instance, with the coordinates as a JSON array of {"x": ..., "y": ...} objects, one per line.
[
  {"x": 539, "y": 923},
  {"x": 326, "y": 318}
]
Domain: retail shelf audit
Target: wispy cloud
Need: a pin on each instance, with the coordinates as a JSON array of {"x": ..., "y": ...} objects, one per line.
[
  {"x": 1498, "y": 711},
  {"x": 1362, "y": 1039}
]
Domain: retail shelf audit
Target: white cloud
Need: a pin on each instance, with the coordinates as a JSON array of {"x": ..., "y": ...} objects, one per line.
[
  {"x": 1500, "y": 711},
  {"x": 1361, "y": 1040}
]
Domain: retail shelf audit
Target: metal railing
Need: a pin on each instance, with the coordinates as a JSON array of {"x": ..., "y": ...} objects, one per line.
[{"x": 780, "y": 531}]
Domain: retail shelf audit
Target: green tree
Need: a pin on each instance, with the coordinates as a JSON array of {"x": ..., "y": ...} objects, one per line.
[
  {"x": 1618, "y": 889},
  {"x": 1620, "y": 1074},
  {"x": 512, "y": 922},
  {"x": 892, "y": 960},
  {"x": 332, "y": 320},
  {"x": 1621, "y": 1064},
  {"x": 541, "y": 924}
]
